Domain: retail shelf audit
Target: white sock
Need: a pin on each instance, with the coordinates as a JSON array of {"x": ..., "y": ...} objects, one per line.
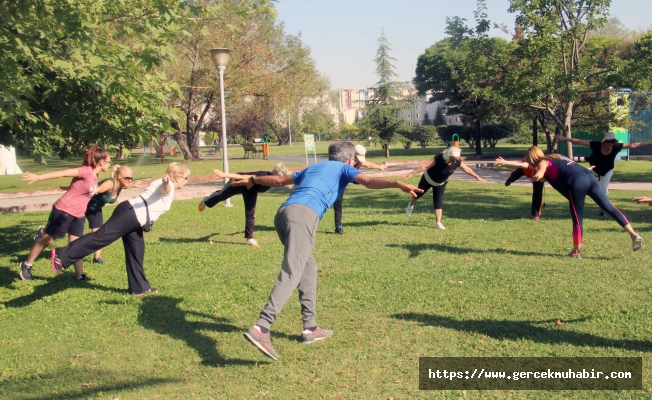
[{"x": 27, "y": 264}]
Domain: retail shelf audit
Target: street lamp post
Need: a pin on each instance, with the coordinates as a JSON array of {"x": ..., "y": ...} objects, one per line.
[{"x": 220, "y": 58}]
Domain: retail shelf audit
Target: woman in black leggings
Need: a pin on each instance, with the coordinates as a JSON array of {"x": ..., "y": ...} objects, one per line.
[
  {"x": 250, "y": 196},
  {"x": 435, "y": 176},
  {"x": 574, "y": 183}
]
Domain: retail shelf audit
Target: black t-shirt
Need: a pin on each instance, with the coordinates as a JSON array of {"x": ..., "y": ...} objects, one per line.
[
  {"x": 258, "y": 188},
  {"x": 602, "y": 163},
  {"x": 441, "y": 171}
]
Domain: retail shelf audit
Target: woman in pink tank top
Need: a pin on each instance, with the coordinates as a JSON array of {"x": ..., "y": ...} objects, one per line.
[{"x": 67, "y": 216}]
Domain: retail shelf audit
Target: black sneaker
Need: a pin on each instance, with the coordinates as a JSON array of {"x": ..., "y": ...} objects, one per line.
[
  {"x": 84, "y": 278},
  {"x": 98, "y": 260},
  {"x": 25, "y": 272},
  {"x": 56, "y": 263},
  {"x": 339, "y": 231}
]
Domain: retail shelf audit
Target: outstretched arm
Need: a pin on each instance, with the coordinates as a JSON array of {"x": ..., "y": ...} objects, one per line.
[
  {"x": 561, "y": 138},
  {"x": 636, "y": 145},
  {"x": 501, "y": 161},
  {"x": 383, "y": 183},
  {"x": 272, "y": 181},
  {"x": 105, "y": 187},
  {"x": 420, "y": 169},
  {"x": 65, "y": 173},
  {"x": 469, "y": 171},
  {"x": 370, "y": 165},
  {"x": 228, "y": 175},
  {"x": 540, "y": 172},
  {"x": 643, "y": 199}
]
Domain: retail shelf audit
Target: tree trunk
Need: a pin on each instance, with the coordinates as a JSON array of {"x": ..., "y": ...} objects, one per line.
[
  {"x": 535, "y": 137},
  {"x": 387, "y": 150},
  {"x": 478, "y": 146},
  {"x": 181, "y": 140},
  {"x": 567, "y": 129},
  {"x": 185, "y": 150},
  {"x": 546, "y": 130},
  {"x": 121, "y": 154}
]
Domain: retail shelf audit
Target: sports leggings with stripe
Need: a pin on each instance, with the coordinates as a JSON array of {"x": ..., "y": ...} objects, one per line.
[{"x": 587, "y": 185}]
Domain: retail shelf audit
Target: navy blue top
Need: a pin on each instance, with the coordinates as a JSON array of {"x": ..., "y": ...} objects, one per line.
[
  {"x": 561, "y": 173},
  {"x": 319, "y": 185}
]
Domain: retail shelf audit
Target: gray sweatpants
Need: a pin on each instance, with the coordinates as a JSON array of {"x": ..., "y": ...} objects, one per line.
[{"x": 296, "y": 226}]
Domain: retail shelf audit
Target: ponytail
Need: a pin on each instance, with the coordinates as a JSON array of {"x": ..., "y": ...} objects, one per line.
[
  {"x": 93, "y": 156},
  {"x": 114, "y": 171}
]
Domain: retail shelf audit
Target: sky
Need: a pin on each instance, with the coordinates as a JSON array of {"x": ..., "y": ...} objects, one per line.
[{"x": 343, "y": 34}]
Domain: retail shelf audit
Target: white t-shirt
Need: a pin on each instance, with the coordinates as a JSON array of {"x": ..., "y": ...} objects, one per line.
[{"x": 157, "y": 201}]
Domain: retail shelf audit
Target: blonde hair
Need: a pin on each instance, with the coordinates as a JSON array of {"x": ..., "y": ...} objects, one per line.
[
  {"x": 176, "y": 170},
  {"x": 120, "y": 170},
  {"x": 280, "y": 170},
  {"x": 534, "y": 155}
]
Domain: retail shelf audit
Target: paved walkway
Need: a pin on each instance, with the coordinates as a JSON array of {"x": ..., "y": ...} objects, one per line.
[{"x": 200, "y": 186}]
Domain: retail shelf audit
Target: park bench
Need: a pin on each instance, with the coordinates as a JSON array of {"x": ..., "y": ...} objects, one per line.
[{"x": 251, "y": 150}]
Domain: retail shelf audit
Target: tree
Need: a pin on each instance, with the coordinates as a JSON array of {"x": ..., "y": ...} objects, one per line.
[
  {"x": 426, "y": 119},
  {"x": 382, "y": 119},
  {"x": 554, "y": 67},
  {"x": 439, "y": 118},
  {"x": 465, "y": 71},
  {"x": 82, "y": 72}
]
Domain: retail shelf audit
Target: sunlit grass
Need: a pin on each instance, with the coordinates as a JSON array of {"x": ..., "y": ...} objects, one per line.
[{"x": 392, "y": 288}]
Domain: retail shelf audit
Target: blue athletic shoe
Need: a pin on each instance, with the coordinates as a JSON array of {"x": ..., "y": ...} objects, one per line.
[{"x": 39, "y": 234}]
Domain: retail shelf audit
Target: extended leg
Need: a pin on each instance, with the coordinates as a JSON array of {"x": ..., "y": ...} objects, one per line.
[{"x": 296, "y": 226}]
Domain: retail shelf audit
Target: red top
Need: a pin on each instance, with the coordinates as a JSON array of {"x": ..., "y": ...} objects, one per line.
[{"x": 82, "y": 188}]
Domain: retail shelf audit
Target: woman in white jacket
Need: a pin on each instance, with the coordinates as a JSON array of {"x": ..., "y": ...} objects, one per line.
[{"x": 128, "y": 222}]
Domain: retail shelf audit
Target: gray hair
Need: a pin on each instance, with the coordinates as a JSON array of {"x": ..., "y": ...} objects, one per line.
[{"x": 341, "y": 151}]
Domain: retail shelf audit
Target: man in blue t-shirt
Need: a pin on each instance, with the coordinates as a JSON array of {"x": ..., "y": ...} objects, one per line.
[{"x": 317, "y": 188}]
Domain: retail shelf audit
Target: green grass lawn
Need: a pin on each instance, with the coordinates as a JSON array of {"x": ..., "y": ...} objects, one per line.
[{"x": 392, "y": 288}]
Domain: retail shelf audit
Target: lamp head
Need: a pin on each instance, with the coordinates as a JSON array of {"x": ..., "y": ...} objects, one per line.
[{"x": 220, "y": 57}]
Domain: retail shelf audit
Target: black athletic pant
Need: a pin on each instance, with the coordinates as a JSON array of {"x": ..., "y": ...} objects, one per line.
[
  {"x": 437, "y": 192},
  {"x": 122, "y": 224},
  {"x": 537, "y": 191},
  {"x": 337, "y": 207},
  {"x": 250, "y": 197},
  {"x": 586, "y": 185}
]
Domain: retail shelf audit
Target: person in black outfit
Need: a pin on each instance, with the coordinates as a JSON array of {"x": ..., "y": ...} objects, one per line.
[
  {"x": 537, "y": 189},
  {"x": 435, "y": 176},
  {"x": 360, "y": 161},
  {"x": 603, "y": 155},
  {"x": 250, "y": 196}
]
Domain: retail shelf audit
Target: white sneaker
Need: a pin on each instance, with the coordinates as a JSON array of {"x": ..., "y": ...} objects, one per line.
[
  {"x": 638, "y": 243},
  {"x": 408, "y": 210},
  {"x": 440, "y": 226},
  {"x": 252, "y": 243}
]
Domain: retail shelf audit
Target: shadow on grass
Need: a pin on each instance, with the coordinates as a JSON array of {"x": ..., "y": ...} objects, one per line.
[
  {"x": 55, "y": 285},
  {"x": 94, "y": 391},
  {"x": 517, "y": 330},
  {"x": 163, "y": 315},
  {"x": 416, "y": 250},
  {"x": 16, "y": 238},
  {"x": 8, "y": 276}
]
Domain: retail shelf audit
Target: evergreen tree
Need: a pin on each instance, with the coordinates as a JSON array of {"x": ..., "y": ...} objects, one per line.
[
  {"x": 439, "y": 117},
  {"x": 426, "y": 119},
  {"x": 382, "y": 119}
]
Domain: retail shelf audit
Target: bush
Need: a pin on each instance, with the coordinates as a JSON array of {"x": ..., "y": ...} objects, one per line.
[
  {"x": 466, "y": 133},
  {"x": 491, "y": 134},
  {"x": 406, "y": 136},
  {"x": 426, "y": 135}
]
